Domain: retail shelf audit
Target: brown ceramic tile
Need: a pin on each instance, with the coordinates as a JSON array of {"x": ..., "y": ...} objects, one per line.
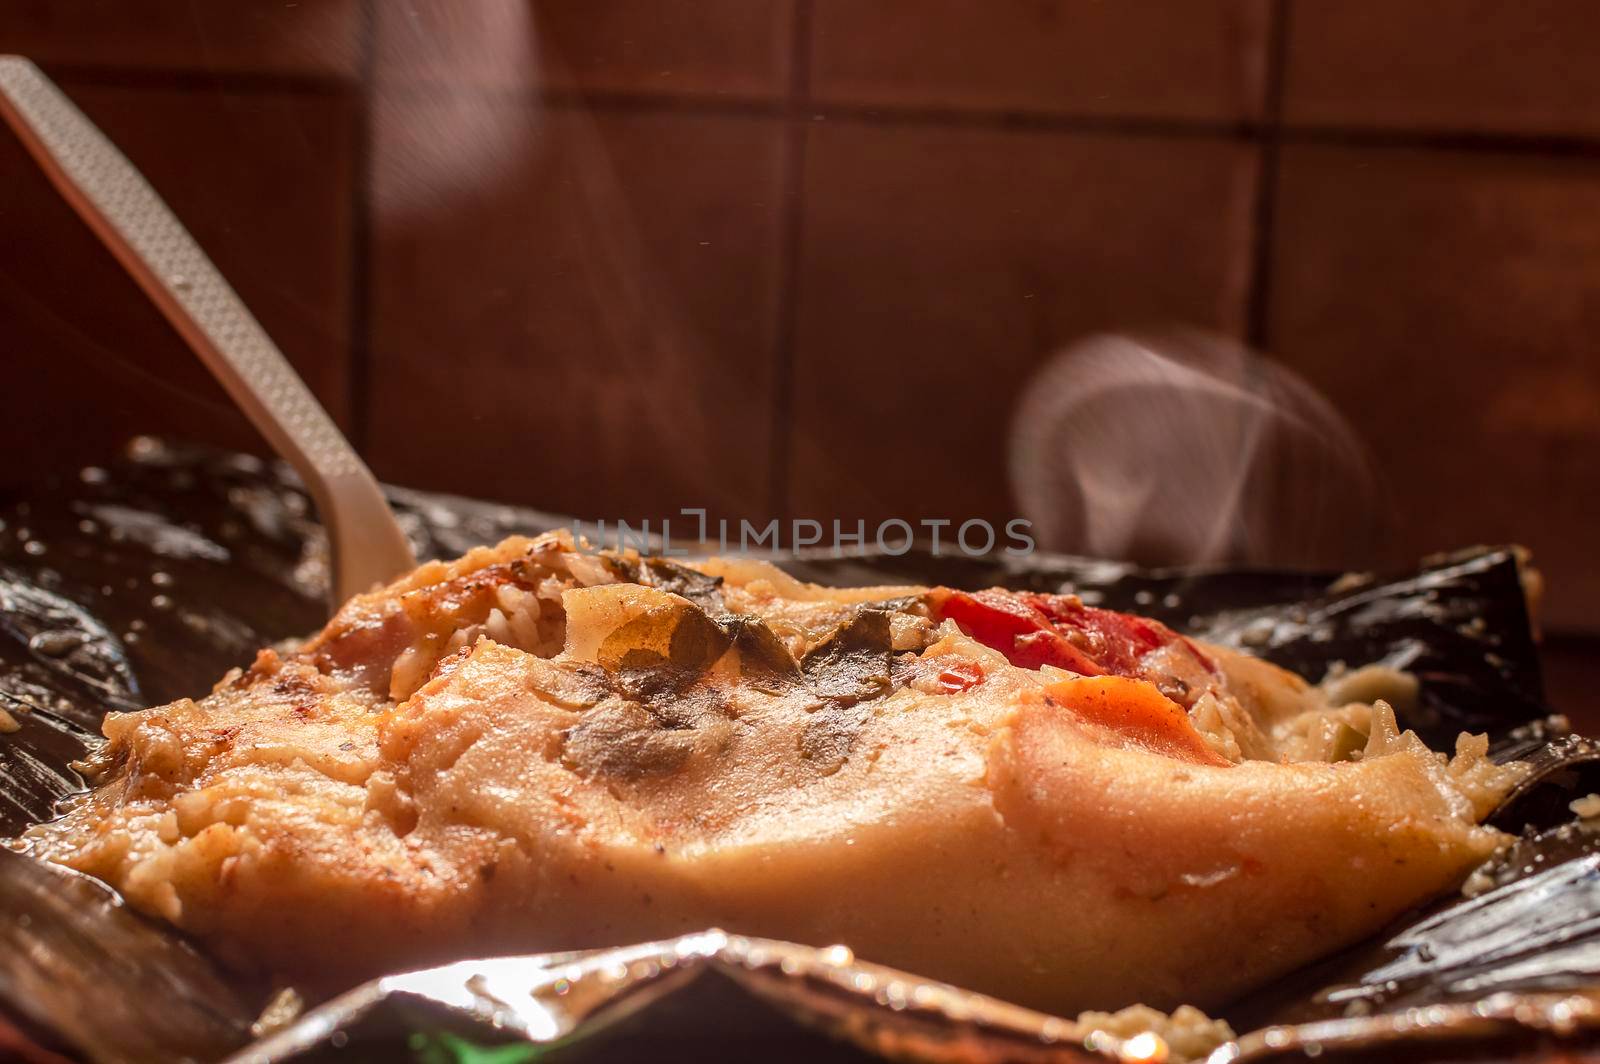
[
  {"x": 1146, "y": 59},
  {"x": 737, "y": 48},
  {"x": 262, "y": 180},
  {"x": 1447, "y": 303},
  {"x": 1572, "y": 680},
  {"x": 1474, "y": 65},
  {"x": 312, "y": 37},
  {"x": 86, "y": 361},
  {"x": 581, "y": 319},
  {"x": 941, "y": 267}
]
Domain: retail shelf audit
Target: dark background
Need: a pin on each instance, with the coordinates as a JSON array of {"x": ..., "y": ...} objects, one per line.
[{"x": 800, "y": 257}]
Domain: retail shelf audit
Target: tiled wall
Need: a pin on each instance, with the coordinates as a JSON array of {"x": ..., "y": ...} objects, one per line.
[
  {"x": 248, "y": 117},
  {"x": 800, "y": 256}
]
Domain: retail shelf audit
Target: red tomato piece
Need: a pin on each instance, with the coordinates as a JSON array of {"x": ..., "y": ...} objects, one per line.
[
  {"x": 1033, "y": 630},
  {"x": 960, "y": 676}
]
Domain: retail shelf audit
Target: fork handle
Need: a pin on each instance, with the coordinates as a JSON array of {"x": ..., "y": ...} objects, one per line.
[{"x": 366, "y": 544}]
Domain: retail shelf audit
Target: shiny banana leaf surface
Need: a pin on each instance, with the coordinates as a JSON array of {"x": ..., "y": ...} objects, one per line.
[{"x": 146, "y": 579}]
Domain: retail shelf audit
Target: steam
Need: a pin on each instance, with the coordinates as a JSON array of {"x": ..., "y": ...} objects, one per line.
[
  {"x": 1191, "y": 449},
  {"x": 470, "y": 65},
  {"x": 589, "y": 299}
]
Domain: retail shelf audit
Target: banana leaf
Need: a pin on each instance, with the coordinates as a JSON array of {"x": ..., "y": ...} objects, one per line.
[{"x": 146, "y": 580}]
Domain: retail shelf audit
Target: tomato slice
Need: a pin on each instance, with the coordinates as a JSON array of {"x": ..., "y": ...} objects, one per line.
[
  {"x": 960, "y": 676},
  {"x": 1016, "y": 627},
  {"x": 1033, "y": 630}
]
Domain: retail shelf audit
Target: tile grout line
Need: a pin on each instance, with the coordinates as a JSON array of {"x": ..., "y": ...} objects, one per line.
[
  {"x": 358, "y": 356},
  {"x": 1259, "y": 291},
  {"x": 1429, "y": 138},
  {"x": 792, "y": 199},
  {"x": 1538, "y": 145},
  {"x": 239, "y": 81},
  {"x": 1438, "y": 138}
]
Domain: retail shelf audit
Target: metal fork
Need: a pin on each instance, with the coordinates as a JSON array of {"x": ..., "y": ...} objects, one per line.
[{"x": 366, "y": 544}]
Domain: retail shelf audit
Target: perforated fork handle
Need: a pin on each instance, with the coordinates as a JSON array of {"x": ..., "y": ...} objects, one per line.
[{"x": 366, "y": 545}]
